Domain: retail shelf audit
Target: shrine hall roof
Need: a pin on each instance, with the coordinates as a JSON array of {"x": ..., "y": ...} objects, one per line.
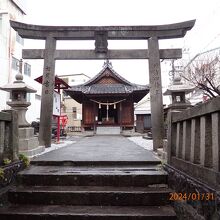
[
  {"x": 107, "y": 81},
  {"x": 108, "y": 88}
]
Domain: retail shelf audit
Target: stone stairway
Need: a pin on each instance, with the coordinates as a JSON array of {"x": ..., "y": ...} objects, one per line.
[
  {"x": 108, "y": 130},
  {"x": 100, "y": 191}
]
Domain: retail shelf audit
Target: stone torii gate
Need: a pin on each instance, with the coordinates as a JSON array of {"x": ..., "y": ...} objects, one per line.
[{"x": 101, "y": 35}]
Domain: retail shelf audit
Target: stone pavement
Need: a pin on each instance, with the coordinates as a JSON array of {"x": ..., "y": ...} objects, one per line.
[
  {"x": 100, "y": 148},
  {"x": 96, "y": 178}
]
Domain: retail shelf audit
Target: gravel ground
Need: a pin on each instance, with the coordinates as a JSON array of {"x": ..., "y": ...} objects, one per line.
[{"x": 146, "y": 144}]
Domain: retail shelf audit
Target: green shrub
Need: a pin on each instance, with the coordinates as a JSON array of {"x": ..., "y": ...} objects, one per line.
[
  {"x": 24, "y": 159},
  {"x": 1, "y": 173},
  {"x": 6, "y": 161}
]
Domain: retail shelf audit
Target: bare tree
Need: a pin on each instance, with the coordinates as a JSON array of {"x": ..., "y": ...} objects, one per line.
[{"x": 204, "y": 74}]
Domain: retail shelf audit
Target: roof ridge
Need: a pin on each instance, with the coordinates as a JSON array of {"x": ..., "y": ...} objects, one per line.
[{"x": 107, "y": 66}]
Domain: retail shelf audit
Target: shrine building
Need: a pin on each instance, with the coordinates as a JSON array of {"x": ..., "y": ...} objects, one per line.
[{"x": 107, "y": 100}]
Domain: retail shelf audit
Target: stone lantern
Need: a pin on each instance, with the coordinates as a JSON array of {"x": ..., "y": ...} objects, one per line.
[
  {"x": 178, "y": 91},
  {"x": 28, "y": 143},
  {"x": 18, "y": 94}
]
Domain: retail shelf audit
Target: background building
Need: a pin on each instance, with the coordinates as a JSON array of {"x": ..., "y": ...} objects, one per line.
[
  {"x": 70, "y": 107},
  {"x": 11, "y": 45},
  {"x": 142, "y": 112}
]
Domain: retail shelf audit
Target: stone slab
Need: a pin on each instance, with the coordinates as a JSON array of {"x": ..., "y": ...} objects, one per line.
[
  {"x": 101, "y": 148},
  {"x": 88, "y": 212},
  {"x": 26, "y": 132},
  {"x": 28, "y": 144}
]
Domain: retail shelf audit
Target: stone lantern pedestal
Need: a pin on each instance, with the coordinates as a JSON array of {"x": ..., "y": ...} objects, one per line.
[
  {"x": 28, "y": 143},
  {"x": 177, "y": 91}
]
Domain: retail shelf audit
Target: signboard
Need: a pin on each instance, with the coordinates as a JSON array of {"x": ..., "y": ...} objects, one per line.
[{"x": 56, "y": 103}]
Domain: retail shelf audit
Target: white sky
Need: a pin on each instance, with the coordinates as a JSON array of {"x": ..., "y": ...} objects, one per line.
[{"x": 205, "y": 35}]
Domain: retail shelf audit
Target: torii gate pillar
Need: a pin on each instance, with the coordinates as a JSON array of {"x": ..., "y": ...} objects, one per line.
[
  {"x": 48, "y": 81},
  {"x": 156, "y": 98}
]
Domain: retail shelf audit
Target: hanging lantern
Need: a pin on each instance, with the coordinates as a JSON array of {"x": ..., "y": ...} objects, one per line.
[
  {"x": 100, "y": 105},
  {"x": 114, "y": 106}
]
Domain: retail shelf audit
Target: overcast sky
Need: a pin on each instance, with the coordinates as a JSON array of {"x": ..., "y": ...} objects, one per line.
[{"x": 205, "y": 35}]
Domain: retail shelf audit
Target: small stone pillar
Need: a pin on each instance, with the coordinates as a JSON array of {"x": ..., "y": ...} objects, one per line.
[{"x": 28, "y": 144}]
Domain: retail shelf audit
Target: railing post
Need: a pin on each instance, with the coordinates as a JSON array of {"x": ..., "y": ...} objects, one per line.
[
  {"x": 171, "y": 137},
  {"x": 186, "y": 140},
  {"x": 206, "y": 141},
  {"x": 195, "y": 141},
  {"x": 216, "y": 141},
  {"x": 12, "y": 151},
  {"x": 179, "y": 140},
  {"x": 2, "y": 139}
]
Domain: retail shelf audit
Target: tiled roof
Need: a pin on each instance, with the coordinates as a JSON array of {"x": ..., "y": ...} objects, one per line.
[
  {"x": 107, "y": 89},
  {"x": 122, "y": 86}
]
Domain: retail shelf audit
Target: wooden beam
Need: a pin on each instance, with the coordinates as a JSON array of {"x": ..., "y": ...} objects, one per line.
[{"x": 92, "y": 55}]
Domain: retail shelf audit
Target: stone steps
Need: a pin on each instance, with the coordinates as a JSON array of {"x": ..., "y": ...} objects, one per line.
[
  {"x": 85, "y": 195},
  {"x": 108, "y": 192},
  {"x": 96, "y": 176},
  {"x": 88, "y": 213}
]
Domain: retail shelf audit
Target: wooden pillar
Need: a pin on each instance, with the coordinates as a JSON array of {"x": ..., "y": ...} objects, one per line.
[
  {"x": 156, "y": 93},
  {"x": 120, "y": 113},
  {"x": 94, "y": 118},
  {"x": 47, "y": 93}
]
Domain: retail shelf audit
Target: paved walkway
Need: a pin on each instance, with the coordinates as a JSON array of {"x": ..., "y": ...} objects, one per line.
[{"x": 100, "y": 148}]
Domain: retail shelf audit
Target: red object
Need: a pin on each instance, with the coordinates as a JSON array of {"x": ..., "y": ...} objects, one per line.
[
  {"x": 63, "y": 120},
  {"x": 59, "y": 84}
]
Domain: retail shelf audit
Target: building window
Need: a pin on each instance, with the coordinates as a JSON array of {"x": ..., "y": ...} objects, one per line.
[
  {"x": 27, "y": 69},
  {"x": 19, "y": 39},
  {"x": 0, "y": 23},
  {"x": 65, "y": 95},
  {"x": 74, "y": 112},
  {"x": 15, "y": 64},
  {"x": 37, "y": 97}
]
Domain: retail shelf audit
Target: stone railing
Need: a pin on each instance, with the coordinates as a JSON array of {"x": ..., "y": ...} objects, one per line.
[
  {"x": 8, "y": 135},
  {"x": 193, "y": 158},
  {"x": 194, "y": 141}
]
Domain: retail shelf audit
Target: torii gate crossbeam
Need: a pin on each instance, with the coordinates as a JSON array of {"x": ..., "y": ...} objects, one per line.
[{"x": 101, "y": 35}]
